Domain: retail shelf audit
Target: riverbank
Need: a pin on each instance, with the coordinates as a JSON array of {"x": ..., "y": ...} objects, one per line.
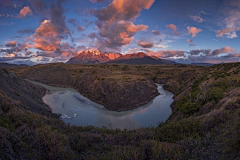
[{"x": 80, "y": 111}]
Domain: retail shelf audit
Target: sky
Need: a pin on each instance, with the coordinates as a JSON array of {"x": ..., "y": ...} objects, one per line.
[{"x": 186, "y": 31}]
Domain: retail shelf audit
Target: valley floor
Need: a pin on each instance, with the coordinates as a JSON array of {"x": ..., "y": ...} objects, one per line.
[{"x": 205, "y": 123}]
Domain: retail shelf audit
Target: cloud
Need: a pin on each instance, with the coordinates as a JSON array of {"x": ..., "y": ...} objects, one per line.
[
  {"x": 215, "y": 52},
  {"x": 92, "y": 35},
  {"x": 161, "y": 46},
  {"x": 11, "y": 44},
  {"x": 222, "y": 50},
  {"x": 197, "y": 18},
  {"x": 229, "y": 32},
  {"x": 72, "y": 21},
  {"x": 25, "y": 31},
  {"x": 167, "y": 53},
  {"x": 80, "y": 28},
  {"x": 155, "y": 32},
  {"x": 198, "y": 51},
  {"x": 25, "y": 11},
  {"x": 192, "y": 45},
  {"x": 193, "y": 31},
  {"x": 145, "y": 44},
  {"x": 94, "y": 1},
  {"x": 189, "y": 40},
  {"x": 225, "y": 54},
  {"x": 115, "y": 25},
  {"x": 40, "y": 7},
  {"x": 172, "y": 27},
  {"x": 50, "y": 34},
  {"x": 232, "y": 35},
  {"x": 119, "y": 34}
]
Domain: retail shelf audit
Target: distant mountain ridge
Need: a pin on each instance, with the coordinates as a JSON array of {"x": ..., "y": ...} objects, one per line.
[
  {"x": 140, "y": 58},
  {"x": 97, "y": 57}
]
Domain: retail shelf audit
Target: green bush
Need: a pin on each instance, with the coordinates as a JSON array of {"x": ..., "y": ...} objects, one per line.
[{"x": 215, "y": 94}]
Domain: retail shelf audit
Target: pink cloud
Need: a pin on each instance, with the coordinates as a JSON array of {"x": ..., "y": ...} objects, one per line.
[
  {"x": 193, "y": 31},
  {"x": 167, "y": 53},
  {"x": 115, "y": 23},
  {"x": 25, "y": 11},
  {"x": 230, "y": 32},
  {"x": 197, "y": 19},
  {"x": 189, "y": 40},
  {"x": 172, "y": 27}
]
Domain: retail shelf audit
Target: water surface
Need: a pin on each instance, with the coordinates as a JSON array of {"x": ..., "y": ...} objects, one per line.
[{"x": 80, "y": 111}]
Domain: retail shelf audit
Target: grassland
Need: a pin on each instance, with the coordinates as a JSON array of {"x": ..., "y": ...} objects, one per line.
[{"x": 205, "y": 123}]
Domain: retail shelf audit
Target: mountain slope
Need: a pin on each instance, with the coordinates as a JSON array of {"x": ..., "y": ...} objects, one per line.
[
  {"x": 139, "y": 58},
  {"x": 89, "y": 57},
  {"x": 25, "y": 93}
]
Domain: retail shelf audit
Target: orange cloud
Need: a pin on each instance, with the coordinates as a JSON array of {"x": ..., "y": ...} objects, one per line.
[
  {"x": 11, "y": 44},
  {"x": 189, "y": 40},
  {"x": 193, "y": 31},
  {"x": 25, "y": 11},
  {"x": 115, "y": 24},
  {"x": 172, "y": 27},
  {"x": 130, "y": 27}
]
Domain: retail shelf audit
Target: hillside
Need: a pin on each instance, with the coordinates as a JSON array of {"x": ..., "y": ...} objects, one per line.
[
  {"x": 205, "y": 123},
  {"x": 139, "y": 58},
  {"x": 112, "y": 89}
]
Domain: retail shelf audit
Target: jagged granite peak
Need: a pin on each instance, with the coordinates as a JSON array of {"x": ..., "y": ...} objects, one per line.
[
  {"x": 90, "y": 56},
  {"x": 113, "y": 56}
]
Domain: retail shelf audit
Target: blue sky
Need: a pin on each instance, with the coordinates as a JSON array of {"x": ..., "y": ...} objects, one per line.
[{"x": 189, "y": 31}]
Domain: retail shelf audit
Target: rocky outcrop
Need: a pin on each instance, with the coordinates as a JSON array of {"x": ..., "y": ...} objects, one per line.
[
  {"x": 15, "y": 90},
  {"x": 115, "y": 95}
]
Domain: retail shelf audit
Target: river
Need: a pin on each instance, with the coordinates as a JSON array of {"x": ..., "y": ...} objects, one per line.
[{"x": 78, "y": 110}]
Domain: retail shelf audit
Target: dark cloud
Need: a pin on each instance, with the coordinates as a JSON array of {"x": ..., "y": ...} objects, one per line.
[
  {"x": 80, "y": 28},
  {"x": 25, "y": 31},
  {"x": 156, "y": 32},
  {"x": 197, "y": 52},
  {"x": 93, "y": 35},
  {"x": 94, "y": 1},
  {"x": 145, "y": 44},
  {"x": 72, "y": 21},
  {"x": 11, "y": 44}
]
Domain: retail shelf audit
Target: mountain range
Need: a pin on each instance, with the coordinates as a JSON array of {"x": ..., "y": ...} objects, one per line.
[{"x": 97, "y": 57}]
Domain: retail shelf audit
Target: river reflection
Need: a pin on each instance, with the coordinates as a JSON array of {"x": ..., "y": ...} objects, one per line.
[{"x": 80, "y": 111}]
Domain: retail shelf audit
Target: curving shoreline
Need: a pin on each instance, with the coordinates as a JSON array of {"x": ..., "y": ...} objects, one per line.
[{"x": 84, "y": 112}]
